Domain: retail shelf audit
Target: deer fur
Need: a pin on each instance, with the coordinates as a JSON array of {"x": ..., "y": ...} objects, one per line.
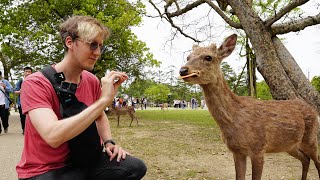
[
  {"x": 252, "y": 127},
  {"x": 118, "y": 111}
]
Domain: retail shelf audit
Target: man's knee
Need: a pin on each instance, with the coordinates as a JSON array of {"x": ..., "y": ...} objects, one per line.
[{"x": 139, "y": 169}]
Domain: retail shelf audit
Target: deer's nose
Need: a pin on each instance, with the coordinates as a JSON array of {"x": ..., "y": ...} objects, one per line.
[{"x": 183, "y": 71}]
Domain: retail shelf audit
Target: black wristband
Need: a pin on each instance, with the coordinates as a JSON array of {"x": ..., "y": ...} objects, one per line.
[{"x": 109, "y": 141}]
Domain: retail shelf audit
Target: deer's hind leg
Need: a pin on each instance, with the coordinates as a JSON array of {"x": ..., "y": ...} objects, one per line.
[
  {"x": 257, "y": 162},
  {"x": 133, "y": 117},
  {"x": 118, "y": 118},
  {"x": 305, "y": 160},
  {"x": 311, "y": 151},
  {"x": 240, "y": 162}
]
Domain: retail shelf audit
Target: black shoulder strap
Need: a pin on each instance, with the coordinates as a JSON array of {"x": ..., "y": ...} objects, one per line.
[{"x": 55, "y": 78}]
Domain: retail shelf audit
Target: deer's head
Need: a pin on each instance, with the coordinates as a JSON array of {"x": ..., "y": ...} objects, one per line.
[{"x": 203, "y": 64}]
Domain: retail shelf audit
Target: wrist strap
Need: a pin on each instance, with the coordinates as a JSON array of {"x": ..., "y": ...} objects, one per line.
[{"x": 109, "y": 141}]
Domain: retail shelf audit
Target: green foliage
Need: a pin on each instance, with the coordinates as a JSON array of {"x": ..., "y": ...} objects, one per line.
[
  {"x": 157, "y": 93},
  {"x": 316, "y": 82},
  {"x": 236, "y": 83},
  {"x": 263, "y": 91},
  {"x": 29, "y": 33},
  {"x": 137, "y": 88},
  {"x": 267, "y": 8}
]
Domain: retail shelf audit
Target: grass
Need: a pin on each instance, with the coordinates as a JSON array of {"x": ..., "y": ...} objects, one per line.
[{"x": 168, "y": 140}]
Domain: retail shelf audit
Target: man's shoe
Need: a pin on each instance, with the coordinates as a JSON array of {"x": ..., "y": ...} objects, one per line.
[{"x": 6, "y": 130}]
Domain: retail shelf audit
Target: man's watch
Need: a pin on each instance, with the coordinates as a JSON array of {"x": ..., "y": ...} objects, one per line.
[{"x": 109, "y": 141}]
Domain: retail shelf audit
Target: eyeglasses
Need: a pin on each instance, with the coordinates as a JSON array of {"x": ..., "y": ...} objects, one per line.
[{"x": 94, "y": 45}]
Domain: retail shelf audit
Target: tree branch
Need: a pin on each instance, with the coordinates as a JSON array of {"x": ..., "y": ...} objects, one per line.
[
  {"x": 169, "y": 17},
  {"x": 294, "y": 26},
  {"x": 284, "y": 11},
  {"x": 227, "y": 19},
  {"x": 186, "y": 9}
]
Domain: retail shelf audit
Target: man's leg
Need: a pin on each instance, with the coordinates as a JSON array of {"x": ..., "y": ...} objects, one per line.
[
  {"x": 22, "y": 119},
  {"x": 5, "y": 120},
  {"x": 2, "y": 116},
  {"x": 131, "y": 168},
  {"x": 66, "y": 173}
]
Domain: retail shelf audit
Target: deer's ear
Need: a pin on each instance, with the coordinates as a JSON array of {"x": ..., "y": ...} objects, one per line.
[
  {"x": 213, "y": 47},
  {"x": 194, "y": 47},
  {"x": 228, "y": 46}
]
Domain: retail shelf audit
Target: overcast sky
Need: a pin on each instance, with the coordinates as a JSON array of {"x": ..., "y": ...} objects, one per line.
[{"x": 304, "y": 46}]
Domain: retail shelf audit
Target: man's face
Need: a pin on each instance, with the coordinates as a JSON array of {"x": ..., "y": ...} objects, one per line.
[
  {"x": 87, "y": 53},
  {"x": 27, "y": 72}
]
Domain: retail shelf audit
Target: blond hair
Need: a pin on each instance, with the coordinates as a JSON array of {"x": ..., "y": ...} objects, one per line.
[{"x": 83, "y": 27}]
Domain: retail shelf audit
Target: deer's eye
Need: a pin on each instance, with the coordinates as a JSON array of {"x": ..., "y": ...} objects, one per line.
[{"x": 208, "y": 58}]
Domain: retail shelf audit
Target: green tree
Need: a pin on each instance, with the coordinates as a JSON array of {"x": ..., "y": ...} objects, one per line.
[
  {"x": 316, "y": 83},
  {"x": 263, "y": 91},
  {"x": 157, "y": 93},
  {"x": 29, "y": 33},
  {"x": 237, "y": 83}
]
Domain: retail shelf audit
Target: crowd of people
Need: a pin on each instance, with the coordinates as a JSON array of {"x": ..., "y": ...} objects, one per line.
[{"x": 137, "y": 103}]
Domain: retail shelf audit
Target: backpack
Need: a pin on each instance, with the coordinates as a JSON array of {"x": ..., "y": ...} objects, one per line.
[{"x": 85, "y": 149}]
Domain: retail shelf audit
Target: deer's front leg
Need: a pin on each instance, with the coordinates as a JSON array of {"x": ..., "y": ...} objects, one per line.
[
  {"x": 257, "y": 166},
  {"x": 240, "y": 162}
]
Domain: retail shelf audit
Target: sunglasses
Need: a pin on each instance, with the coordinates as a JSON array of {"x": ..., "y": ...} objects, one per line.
[{"x": 94, "y": 45}]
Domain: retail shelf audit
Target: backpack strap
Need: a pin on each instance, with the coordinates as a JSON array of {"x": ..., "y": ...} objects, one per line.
[
  {"x": 64, "y": 90},
  {"x": 55, "y": 78}
]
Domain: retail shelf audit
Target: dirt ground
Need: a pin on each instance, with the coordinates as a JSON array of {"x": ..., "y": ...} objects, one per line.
[{"x": 168, "y": 152}]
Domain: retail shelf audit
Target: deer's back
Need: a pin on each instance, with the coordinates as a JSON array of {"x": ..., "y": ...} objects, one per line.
[{"x": 271, "y": 125}]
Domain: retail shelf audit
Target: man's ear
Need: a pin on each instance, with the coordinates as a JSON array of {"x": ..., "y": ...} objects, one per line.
[
  {"x": 227, "y": 46},
  {"x": 68, "y": 42}
]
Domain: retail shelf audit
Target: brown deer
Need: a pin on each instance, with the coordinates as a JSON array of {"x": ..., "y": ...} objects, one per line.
[
  {"x": 252, "y": 127},
  {"x": 118, "y": 111},
  {"x": 164, "y": 106}
]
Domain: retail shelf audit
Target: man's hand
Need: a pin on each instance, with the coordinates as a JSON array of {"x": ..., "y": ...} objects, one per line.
[
  {"x": 115, "y": 150},
  {"x": 110, "y": 84}
]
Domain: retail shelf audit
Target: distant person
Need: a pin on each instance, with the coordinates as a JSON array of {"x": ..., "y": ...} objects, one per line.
[
  {"x": 193, "y": 103},
  {"x": 26, "y": 72},
  {"x": 145, "y": 102},
  {"x": 5, "y": 90}
]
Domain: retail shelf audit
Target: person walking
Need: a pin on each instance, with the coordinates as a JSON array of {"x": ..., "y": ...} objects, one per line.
[
  {"x": 145, "y": 102},
  {"x": 26, "y": 72},
  {"x": 5, "y": 90},
  {"x": 49, "y": 151}
]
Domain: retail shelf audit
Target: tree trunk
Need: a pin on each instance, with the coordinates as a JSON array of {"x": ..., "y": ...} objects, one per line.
[
  {"x": 281, "y": 73},
  {"x": 297, "y": 77},
  {"x": 268, "y": 63}
]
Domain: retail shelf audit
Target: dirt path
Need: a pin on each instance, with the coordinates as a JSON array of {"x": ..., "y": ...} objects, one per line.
[{"x": 10, "y": 148}]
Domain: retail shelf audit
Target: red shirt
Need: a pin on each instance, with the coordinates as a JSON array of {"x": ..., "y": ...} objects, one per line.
[{"x": 37, "y": 92}]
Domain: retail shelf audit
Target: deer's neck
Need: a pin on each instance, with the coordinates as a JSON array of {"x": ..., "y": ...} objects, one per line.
[{"x": 221, "y": 101}]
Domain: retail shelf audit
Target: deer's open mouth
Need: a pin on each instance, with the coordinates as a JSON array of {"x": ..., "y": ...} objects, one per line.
[{"x": 189, "y": 75}]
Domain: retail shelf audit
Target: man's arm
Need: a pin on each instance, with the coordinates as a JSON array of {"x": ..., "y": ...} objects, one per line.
[
  {"x": 114, "y": 151},
  {"x": 18, "y": 87},
  {"x": 8, "y": 88},
  {"x": 103, "y": 127},
  {"x": 55, "y": 132}
]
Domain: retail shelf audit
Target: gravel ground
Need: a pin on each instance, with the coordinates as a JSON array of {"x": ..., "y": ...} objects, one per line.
[{"x": 11, "y": 145}]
